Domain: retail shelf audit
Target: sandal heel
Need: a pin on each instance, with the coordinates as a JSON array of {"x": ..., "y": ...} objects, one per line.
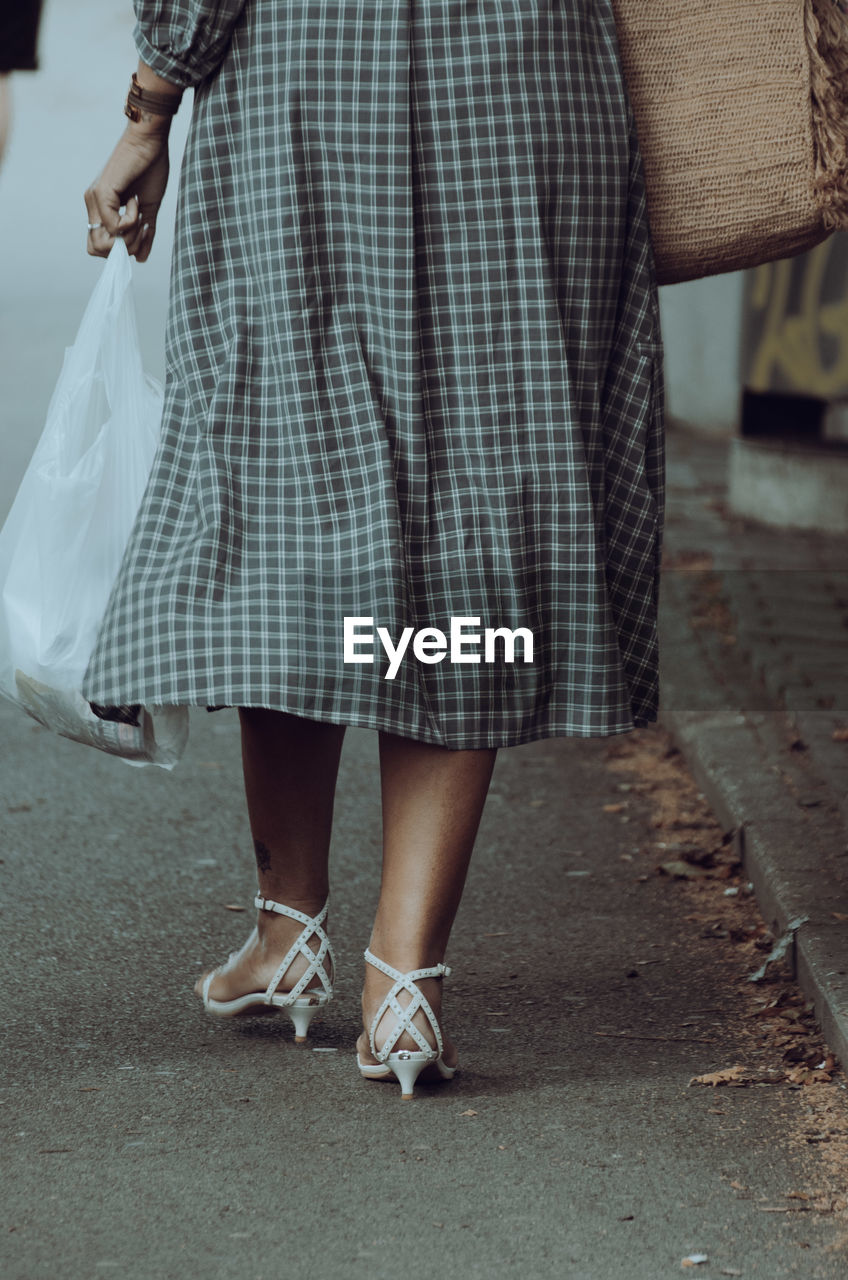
[
  {"x": 408, "y": 1067},
  {"x": 302, "y": 1015}
]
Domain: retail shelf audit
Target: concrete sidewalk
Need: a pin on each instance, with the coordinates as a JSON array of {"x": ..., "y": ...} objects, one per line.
[{"x": 755, "y": 692}]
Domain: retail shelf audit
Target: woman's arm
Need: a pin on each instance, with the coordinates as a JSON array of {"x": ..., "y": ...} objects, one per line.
[
  {"x": 135, "y": 176},
  {"x": 180, "y": 43}
]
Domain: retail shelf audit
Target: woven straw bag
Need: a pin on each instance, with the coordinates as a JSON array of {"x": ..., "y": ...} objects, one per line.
[{"x": 741, "y": 109}]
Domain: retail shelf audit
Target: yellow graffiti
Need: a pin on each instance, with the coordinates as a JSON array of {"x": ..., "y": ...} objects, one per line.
[{"x": 791, "y": 344}]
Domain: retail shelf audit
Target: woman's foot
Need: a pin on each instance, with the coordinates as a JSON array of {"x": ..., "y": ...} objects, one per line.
[
  {"x": 377, "y": 987},
  {"x": 252, "y": 967}
]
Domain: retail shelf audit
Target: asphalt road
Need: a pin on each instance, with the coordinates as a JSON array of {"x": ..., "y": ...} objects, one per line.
[{"x": 142, "y": 1138}]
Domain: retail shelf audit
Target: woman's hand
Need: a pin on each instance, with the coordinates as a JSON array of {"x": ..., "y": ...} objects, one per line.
[{"x": 135, "y": 176}]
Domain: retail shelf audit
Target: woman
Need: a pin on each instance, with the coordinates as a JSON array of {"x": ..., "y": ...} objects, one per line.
[
  {"x": 19, "y": 25},
  {"x": 414, "y": 389}
]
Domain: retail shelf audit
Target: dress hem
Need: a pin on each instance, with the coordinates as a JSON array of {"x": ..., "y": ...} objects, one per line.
[{"x": 490, "y": 741}]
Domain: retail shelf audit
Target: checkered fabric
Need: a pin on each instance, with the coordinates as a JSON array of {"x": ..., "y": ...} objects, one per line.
[{"x": 414, "y": 372}]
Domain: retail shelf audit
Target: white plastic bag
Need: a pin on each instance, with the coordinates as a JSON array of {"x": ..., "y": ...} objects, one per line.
[{"x": 63, "y": 541}]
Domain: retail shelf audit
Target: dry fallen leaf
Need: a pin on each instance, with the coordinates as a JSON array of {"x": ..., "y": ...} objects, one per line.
[
  {"x": 693, "y": 1260},
  {"x": 469, "y": 1112},
  {"x": 803, "y": 1075},
  {"x": 840, "y": 915},
  {"x": 614, "y": 808},
  {"x": 685, "y": 870},
  {"x": 840, "y": 735},
  {"x": 233, "y": 906},
  {"x": 718, "y": 1077}
]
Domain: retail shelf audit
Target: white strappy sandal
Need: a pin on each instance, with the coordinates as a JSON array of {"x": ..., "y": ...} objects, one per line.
[
  {"x": 405, "y": 1065},
  {"x": 300, "y": 1004}
]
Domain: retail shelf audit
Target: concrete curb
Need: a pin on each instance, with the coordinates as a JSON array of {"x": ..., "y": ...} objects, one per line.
[{"x": 788, "y": 826}]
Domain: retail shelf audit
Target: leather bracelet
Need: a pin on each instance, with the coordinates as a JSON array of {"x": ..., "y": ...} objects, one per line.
[{"x": 140, "y": 100}]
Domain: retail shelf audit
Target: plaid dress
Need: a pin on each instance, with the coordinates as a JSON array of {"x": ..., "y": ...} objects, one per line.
[{"x": 414, "y": 375}]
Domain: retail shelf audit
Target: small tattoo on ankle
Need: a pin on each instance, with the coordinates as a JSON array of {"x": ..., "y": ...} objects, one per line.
[{"x": 263, "y": 855}]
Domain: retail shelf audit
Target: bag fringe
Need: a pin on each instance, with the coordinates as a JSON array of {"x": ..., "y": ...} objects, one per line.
[{"x": 827, "y": 40}]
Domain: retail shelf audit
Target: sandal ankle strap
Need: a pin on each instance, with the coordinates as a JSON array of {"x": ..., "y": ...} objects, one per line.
[
  {"x": 436, "y": 971},
  {"x": 266, "y": 904}
]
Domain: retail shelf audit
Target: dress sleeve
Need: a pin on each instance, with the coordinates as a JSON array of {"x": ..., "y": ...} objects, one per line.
[{"x": 184, "y": 40}]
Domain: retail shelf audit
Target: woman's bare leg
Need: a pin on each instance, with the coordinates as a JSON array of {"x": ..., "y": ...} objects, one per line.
[
  {"x": 433, "y": 800},
  {"x": 290, "y": 770}
]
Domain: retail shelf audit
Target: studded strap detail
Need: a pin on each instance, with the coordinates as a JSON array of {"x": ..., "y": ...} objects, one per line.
[
  {"x": 312, "y": 926},
  {"x": 405, "y": 982}
]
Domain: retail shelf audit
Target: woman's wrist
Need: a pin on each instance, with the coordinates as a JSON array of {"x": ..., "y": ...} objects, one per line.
[{"x": 148, "y": 125}]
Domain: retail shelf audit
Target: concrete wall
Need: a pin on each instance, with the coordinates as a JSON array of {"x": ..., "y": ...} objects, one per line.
[{"x": 701, "y": 324}]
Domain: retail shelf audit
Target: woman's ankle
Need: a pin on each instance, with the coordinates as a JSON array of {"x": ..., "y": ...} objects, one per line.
[{"x": 406, "y": 952}]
